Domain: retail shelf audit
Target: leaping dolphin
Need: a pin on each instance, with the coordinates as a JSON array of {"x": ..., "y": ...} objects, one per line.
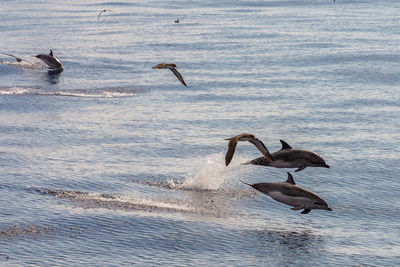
[
  {"x": 173, "y": 68},
  {"x": 291, "y": 194},
  {"x": 286, "y": 157},
  {"x": 52, "y": 62}
]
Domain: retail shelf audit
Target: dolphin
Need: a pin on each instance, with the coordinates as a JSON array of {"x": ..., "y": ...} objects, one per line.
[
  {"x": 173, "y": 68},
  {"x": 286, "y": 157},
  {"x": 291, "y": 194},
  {"x": 52, "y": 62}
]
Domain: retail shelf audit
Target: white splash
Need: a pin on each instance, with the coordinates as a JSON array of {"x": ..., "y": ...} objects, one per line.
[
  {"x": 213, "y": 173},
  {"x": 15, "y": 91}
]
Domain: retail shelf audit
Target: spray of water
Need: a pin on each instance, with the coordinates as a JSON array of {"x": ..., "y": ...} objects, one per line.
[{"x": 213, "y": 174}]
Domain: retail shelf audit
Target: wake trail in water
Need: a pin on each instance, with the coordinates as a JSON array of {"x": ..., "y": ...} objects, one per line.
[
  {"x": 131, "y": 203},
  {"x": 94, "y": 93}
]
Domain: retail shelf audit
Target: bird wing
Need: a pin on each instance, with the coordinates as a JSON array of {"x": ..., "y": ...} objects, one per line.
[
  {"x": 262, "y": 148},
  {"x": 231, "y": 150},
  {"x": 17, "y": 58},
  {"x": 178, "y": 75}
]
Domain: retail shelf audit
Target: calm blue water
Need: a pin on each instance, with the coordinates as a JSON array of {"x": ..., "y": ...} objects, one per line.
[{"x": 113, "y": 163}]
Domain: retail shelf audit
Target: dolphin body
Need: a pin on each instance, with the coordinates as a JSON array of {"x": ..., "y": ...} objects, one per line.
[
  {"x": 286, "y": 157},
  {"x": 52, "y": 62},
  {"x": 293, "y": 195}
]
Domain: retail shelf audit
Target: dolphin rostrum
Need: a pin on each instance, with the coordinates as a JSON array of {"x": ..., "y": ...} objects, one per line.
[
  {"x": 286, "y": 157},
  {"x": 173, "y": 68},
  {"x": 52, "y": 62},
  {"x": 291, "y": 194}
]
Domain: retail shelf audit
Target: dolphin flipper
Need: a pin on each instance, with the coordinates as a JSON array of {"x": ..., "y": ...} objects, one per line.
[
  {"x": 305, "y": 211},
  {"x": 302, "y": 167}
]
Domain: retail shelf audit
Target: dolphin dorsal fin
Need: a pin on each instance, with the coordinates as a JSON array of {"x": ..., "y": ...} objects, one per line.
[
  {"x": 285, "y": 145},
  {"x": 290, "y": 179},
  {"x": 51, "y": 52}
]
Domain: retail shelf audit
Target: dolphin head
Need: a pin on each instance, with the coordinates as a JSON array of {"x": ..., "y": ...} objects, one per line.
[
  {"x": 316, "y": 160},
  {"x": 318, "y": 204}
]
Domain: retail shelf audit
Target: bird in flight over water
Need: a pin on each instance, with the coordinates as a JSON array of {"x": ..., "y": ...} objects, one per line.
[
  {"x": 17, "y": 58},
  {"x": 101, "y": 12},
  {"x": 173, "y": 68}
]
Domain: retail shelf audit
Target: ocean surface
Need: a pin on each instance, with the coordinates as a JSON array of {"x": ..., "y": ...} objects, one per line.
[{"x": 113, "y": 163}]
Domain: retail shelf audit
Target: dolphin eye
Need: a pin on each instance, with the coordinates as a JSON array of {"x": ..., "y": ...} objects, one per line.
[{"x": 317, "y": 203}]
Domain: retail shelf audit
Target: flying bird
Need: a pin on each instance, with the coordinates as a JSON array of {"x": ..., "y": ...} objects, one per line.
[
  {"x": 52, "y": 62},
  {"x": 173, "y": 68},
  {"x": 17, "y": 58},
  {"x": 245, "y": 137},
  {"x": 286, "y": 157},
  {"x": 291, "y": 194},
  {"x": 101, "y": 12}
]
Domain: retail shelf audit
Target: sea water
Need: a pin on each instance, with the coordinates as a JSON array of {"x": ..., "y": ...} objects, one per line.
[{"x": 113, "y": 163}]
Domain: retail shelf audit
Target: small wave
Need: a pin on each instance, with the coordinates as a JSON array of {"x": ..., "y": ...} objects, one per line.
[
  {"x": 15, "y": 91},
  {"x": 95, "y": 93}
]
